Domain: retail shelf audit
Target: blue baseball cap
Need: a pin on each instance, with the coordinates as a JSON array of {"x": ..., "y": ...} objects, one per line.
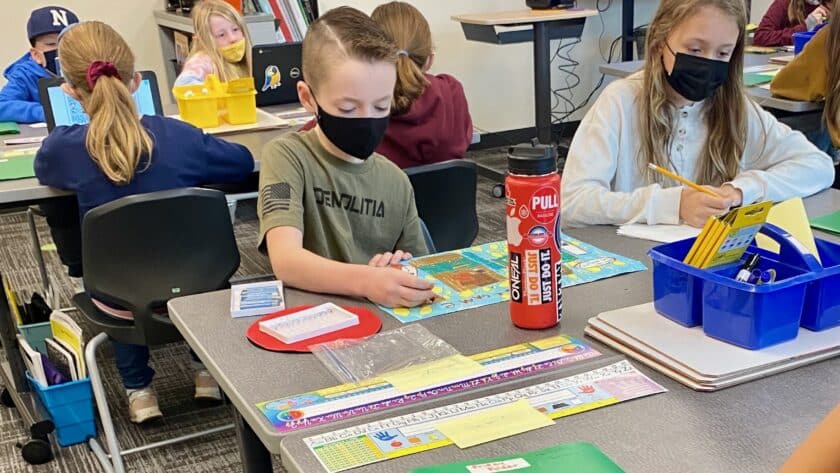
[{"x": 46, "y": 20}]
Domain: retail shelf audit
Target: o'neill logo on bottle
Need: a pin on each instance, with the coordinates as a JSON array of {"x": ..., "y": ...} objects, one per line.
[
  {"x": 545, "y": 203},
  {"x": 515, "y": 277}
]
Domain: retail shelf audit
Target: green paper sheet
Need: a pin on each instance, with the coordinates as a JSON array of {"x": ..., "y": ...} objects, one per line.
[
  {"x": 17, "y": 165},
  {"x": 756, "y": 78},
  {"x": 9, "y": 128},
  {"x": 829, "y": 223},
  {"x": 567, "y": 458}
]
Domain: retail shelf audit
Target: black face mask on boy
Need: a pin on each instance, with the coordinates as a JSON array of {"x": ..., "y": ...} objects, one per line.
[
  {"x": 49, "y": 60},
  {"x": 357, "y": 137},
  {"x": 696, "y": 78}
]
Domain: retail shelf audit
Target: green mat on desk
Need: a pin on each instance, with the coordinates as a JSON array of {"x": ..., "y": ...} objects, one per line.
[
  {"x": 756, "y": 78},
  {"x": 17, "y": 164},
  {"x": 568, "y": 458},
  {"x": 9, "y": 128},
  {"x": 829, "y": 223}
]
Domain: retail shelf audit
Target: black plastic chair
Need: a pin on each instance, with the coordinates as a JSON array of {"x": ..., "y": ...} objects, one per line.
[
  {"x": 139, "y": 252},
  {"x": 445, "y": 197}
]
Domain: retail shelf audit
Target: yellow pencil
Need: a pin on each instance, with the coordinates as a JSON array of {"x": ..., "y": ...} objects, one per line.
[{"x": 685, "y": 181}]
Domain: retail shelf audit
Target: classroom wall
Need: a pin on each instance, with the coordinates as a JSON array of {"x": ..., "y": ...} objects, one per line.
[
  {"x": 499, "y": 79},
  {"x": 757, "y": 9},
  {"x": 133, "y": 19}
]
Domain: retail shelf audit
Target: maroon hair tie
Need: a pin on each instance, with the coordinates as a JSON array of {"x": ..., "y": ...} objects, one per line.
[{"x": 98, "y": 69}]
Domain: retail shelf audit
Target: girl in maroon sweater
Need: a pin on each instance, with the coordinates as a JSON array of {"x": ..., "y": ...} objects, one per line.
[
  {"x": 430, "y": 120},
  {"x": 786, "y": 17}
]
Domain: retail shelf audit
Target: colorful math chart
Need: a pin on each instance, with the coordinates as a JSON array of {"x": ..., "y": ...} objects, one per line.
[
  {"x": 346, "y": 401},
  {"x": 478, "y": 276},
  {"x": 394, "y": 437}
]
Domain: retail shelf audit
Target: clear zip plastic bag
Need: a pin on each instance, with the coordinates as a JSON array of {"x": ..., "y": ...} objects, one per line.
[{"x": 355, "y": 360}]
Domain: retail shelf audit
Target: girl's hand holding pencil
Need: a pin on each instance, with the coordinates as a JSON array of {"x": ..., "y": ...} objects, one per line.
[{"x": 698, "y": 203}]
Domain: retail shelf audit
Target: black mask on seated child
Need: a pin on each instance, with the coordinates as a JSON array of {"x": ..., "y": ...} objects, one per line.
[
  {"x": 696, "y": 78},
  {"x": 357, "y": 137},
  {"x": 49, "y": 60}
]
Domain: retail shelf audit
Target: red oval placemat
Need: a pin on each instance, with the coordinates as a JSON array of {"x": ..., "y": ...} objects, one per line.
[{"x": 369, "y": 324}]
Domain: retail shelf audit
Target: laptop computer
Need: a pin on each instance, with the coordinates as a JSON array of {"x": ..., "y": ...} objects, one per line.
[
  {"x": 62, "y": 110},
  {"x": 276, "y": 70}
]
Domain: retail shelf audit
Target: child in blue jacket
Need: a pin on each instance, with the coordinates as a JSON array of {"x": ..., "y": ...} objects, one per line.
[{"x": 19, "y": 99}]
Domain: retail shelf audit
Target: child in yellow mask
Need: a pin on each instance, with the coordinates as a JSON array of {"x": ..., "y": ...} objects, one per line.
[{"x": 221, "y": 45}]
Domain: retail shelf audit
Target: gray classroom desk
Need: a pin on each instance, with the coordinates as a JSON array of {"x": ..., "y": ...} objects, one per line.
[
  {"x": 761, "y": 96},
  {"x": 26, "y": 191},
  {"x": 747, "y": 428}
]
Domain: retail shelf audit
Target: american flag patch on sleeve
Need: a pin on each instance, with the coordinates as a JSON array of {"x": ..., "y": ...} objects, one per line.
[{"x": 276, "y": 197}]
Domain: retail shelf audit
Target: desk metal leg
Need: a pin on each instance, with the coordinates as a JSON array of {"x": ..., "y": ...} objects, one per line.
[
  {"x": 627, "y": 7},
  {"x": 542, "y": 81},
  {"x": 255, "y": 457}
]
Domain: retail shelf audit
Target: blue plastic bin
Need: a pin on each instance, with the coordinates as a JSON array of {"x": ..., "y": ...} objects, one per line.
[
  {"x": 70, "y": 407},
  {"x": 677, "y": 293},
  {"x": 748, "y": 315},
  {"x": 800, "y": 39},
  {"x": 822, "y": 299},
  {"x": 35, "y": 334}
]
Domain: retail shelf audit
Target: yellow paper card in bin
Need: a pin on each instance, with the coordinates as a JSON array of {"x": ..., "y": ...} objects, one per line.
[
  {"x": 493, "y": 423},
  {"x": 711, "y": 240},
  {"x": 743, "y": 224},
  {"x": 791, "y": 216}
]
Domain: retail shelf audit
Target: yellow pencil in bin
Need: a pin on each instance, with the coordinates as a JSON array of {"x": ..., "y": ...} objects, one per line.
[{"x": 683, "y": 180}]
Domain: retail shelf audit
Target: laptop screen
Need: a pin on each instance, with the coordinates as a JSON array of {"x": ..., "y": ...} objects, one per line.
[{"x": 68, "y": 111}]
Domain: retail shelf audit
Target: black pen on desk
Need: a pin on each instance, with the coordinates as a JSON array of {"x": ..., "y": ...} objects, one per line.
[{"x": 746, "y": 270}]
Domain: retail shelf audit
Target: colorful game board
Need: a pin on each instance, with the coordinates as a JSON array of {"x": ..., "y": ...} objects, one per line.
[
  {"x": 394, "y": 437},
  {"x": 350, "y": 400},
  {"x": 478, "y": 276}
]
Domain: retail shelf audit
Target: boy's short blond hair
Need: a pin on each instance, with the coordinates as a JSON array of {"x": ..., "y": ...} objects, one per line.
[{"x": 343, "y": 33}]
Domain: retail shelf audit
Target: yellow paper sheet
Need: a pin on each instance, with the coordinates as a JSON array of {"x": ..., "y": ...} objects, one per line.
[
  {"x": 494, "y": 423},
  {"x": 791, "y": 216},
  {"x": 433, "y": 373}
]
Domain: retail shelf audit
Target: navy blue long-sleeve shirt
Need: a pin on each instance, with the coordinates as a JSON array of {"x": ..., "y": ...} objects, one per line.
[{"x": 183, "y": 156}]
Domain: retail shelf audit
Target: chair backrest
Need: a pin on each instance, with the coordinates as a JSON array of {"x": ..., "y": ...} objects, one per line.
[
  {"x": 142, "y": 250},
  {"x": 427, "y": 237},
  {"x": 445, "y": 197}
]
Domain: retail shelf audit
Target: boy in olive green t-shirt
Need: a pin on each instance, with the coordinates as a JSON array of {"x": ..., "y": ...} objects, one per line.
[{"x": 334, "y": 216}]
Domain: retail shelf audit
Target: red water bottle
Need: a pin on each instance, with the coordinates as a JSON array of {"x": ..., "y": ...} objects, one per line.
[{"x": 532, "y": 194}]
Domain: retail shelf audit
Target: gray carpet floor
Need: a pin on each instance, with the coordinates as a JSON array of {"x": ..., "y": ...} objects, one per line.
[{"x": 173, "y": 382}]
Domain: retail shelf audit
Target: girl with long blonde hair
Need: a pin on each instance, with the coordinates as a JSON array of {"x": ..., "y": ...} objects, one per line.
[
  {"x": 783, "y": 18},
  {"x": 221, "y": 45},
  {"x": 120, "y": 153},
  {"x": 686, "y": 112}
]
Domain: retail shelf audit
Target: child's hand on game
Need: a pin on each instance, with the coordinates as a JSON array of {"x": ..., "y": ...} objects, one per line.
[
  {"x": 696, "y": 207},
  {"x": 388, "y": 259},
  {"x": 392, "y": 287}
]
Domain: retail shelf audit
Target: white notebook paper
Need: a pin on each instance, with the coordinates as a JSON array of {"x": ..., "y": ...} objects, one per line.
[{"x": 705, "y": 359}]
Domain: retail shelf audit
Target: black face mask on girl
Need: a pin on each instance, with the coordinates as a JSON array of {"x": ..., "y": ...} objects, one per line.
[
  {"x": 357, "y": 137},
  {"x": 696, "y": 78}
]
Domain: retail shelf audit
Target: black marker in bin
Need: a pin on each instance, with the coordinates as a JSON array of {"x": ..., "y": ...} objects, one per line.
[{"x": 746, "y": 270}]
